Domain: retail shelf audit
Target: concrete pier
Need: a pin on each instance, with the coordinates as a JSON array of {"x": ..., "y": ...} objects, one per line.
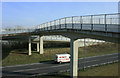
[
  {"x": 74, "y": 58},
  {"x": 38, "y": 47},
  {"x": 29, "y": 47},
  {"x": 41, "y": 44}
]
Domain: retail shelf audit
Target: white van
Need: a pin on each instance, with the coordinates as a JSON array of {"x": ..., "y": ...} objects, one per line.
[{"x": 59, "y": 58}]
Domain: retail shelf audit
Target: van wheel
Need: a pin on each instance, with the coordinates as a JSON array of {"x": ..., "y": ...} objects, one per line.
[{"x": 60, "y": 62}]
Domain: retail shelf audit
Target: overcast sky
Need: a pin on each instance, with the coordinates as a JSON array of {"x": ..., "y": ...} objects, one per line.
[{"x": 35, "y": 13}]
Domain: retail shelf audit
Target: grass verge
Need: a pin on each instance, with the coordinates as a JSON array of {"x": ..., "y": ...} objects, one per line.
[
  {"x": 107, "y": 71},
  {"x": 19, "y": 56}
]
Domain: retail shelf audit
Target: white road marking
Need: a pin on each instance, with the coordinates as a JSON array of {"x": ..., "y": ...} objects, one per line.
[
  {"x": 60, "y": 65},
  {"x": 22, "y": 65},
  {"x": 39, "y": 68}
]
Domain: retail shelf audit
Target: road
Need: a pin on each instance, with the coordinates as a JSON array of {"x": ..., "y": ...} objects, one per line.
[{"x": 51, "y": 67}]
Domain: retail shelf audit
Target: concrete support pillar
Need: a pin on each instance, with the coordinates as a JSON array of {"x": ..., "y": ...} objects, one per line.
[
  {"x": 41, "y": 44},
  {"x": 29, "y": 47},
  {"x": 38, "y": 47},
  {"x": 74, "y": 58}
]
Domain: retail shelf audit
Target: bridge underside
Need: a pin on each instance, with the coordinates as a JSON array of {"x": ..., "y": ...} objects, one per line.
[{"x": 106, "y": 36}]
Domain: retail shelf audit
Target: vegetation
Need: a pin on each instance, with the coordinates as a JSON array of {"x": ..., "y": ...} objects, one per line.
[
  {"x": 12, "y": 56},
  {"x": 102, "y": 71}
]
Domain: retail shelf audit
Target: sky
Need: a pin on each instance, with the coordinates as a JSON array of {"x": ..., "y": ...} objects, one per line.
[{"x": 29, "y": 14}]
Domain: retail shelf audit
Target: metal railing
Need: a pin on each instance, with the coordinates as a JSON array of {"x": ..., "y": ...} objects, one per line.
[{"x": 103, "y": 22}]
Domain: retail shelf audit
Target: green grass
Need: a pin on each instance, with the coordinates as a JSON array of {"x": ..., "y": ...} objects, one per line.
[
  {"x": 19, "y": 56},
  {"x": 104, "y": 70},
  {"x": 100, "y": 49}
]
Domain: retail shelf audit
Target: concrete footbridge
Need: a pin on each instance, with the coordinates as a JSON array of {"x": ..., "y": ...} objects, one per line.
[{"x": 101, "y": 27}]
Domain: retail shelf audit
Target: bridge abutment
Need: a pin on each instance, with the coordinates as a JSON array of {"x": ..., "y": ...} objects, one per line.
[{"x": 74, "y": 58}]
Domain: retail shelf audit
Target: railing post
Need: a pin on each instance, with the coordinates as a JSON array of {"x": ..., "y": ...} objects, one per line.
[
  {"x": 72, "y": 23},
  {"x": 44, "y": 27},
  {"x": 47, "y": 26},
  {"x": 55, "y": 24},
  {"x": 105, "y": 23},
  {"x": 60, "y": 23},
  {"x": 81, "y": 22},
  {"x": 118, "y": 19},
  {"x": 91, "y": 22},
  {"x": 99, "y": 20},
  {"x": 50, "y": 25},
  {"x": 65, "y": 23},
  {"x": 41, "y": 27}
]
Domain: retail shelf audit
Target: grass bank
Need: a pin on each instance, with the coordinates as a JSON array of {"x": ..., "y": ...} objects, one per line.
[
  {"x": 19, "y": 56},
  {"x": 100, "y": 71}
]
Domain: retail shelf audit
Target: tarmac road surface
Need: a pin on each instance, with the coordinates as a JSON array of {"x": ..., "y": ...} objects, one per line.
[{"x": 51, "y": 67}]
